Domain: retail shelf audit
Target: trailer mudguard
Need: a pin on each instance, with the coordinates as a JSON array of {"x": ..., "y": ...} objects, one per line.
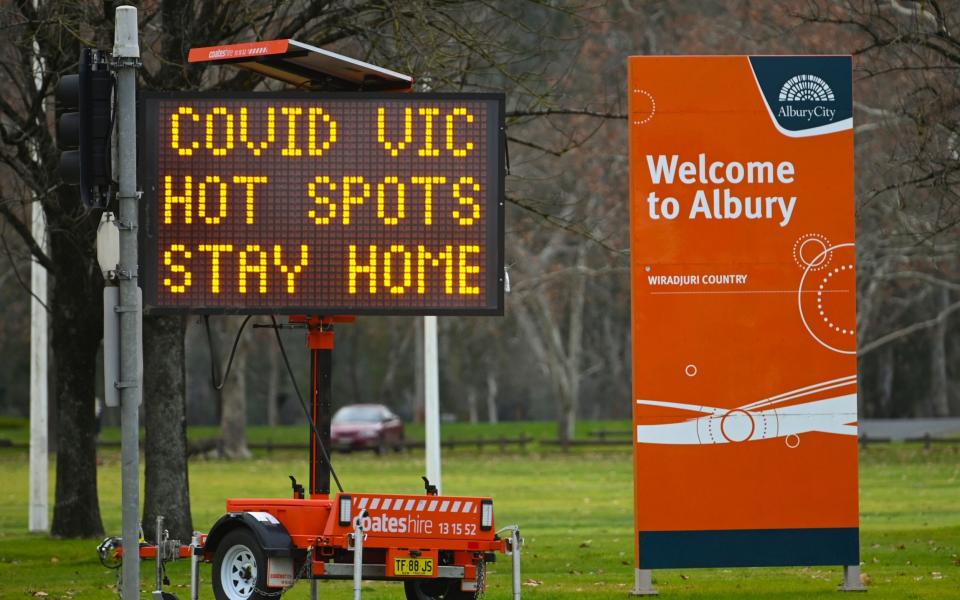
[{"x": 270, "y": 533}]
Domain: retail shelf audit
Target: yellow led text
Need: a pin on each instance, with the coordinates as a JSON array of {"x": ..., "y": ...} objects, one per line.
[
  {"x": 257, "y": 148},
  {"x": 251, "y": 263},
  {"x": 382, "y": 200},
  {"x": 292, "y": 113},
  {"x": 474, "y": 187},
  {"x": 398, "y": 146},
  {"x": 181, "y": 287},
  {"x": 226, "y": 127},
  {"x": 182, "y": 196},
  {"x": 338, "y": 202},
  {"x": 294, "y": 270},
  {"x": 312, "y": 147},
  {"x": 257, "y": 266},
  {"x": 215, "y": 251},
  {"x": 394, "y": 148},
  {"x": 428, "y": 183},
  {"x": 468, "y": 146},
  {"x": 220, "y": 128},
  {"x": 394, "y": 268},
  {"x": 175, "y": 131},
  {"x": 428, "y": 149}
]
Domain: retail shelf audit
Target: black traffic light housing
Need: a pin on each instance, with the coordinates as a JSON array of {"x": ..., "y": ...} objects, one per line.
[{"x": 85, "y": 127}]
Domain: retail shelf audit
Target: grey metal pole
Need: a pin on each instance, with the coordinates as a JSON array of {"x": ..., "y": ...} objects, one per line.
[
  {"x": 39, "y": 458},
  {"x": 126, "y": 53},
  {"x": 851, "y": 580},
  {"x": 358, "y": 554},
  {"x": 643, "y": 583},
  {"x": 195, "y": 567},
  {"x": 431, "y": 404},
  {"x": 515, "y": 543}
]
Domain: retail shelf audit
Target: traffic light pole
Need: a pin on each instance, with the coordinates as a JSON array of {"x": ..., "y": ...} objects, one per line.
[{"x": 126, "y": 54}]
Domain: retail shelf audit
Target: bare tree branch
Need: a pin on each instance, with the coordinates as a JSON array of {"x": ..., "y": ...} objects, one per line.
[
  {"x": 905, "y": 331},
  {"x": 21, "y": 228}
]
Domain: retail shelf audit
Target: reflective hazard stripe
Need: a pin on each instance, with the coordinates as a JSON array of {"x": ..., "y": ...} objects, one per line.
[{"x": 412, "y": 504}]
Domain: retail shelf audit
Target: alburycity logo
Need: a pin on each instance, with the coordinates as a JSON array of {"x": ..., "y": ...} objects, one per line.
[{"x": 806, "y": 89}]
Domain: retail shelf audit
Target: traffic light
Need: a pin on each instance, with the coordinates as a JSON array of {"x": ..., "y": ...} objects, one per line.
[{"x": 84, "y": 127}]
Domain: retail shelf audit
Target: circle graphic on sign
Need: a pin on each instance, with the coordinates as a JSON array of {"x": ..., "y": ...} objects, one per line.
[
  {"x": 792, "y": 440},
  {"x": 809, "y": 251},
  {"x": 827, "y": 301},
  {"x": 645, "y": 105},
  {"x": 737, "y": 426},
  {"x": 690, "y": 370}
]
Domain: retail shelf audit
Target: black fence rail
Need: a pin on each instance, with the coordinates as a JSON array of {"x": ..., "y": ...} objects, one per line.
[
  {"x": 523, "y": 442},
  {"x": 927, "y": 440},
  {"x": 609, "y": 433},
  {"x": 502, "y": 443}
]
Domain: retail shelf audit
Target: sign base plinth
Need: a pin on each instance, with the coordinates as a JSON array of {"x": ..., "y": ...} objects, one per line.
[
  {"x": 643, "y": 583},
  {"x": 851, "y": 580}
]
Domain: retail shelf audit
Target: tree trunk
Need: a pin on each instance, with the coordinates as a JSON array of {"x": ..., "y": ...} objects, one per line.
[
  {"x": 472, "y": 405},
  {"x": 567, "y": 408},
  {"x": 492, "y": 415},
  {"x": 939, "y": 382},
  {"x": 77, "y": 327},
  {"x": 166, "y": 489},
  {"x": 273, "y": 383},
  {"x": 571, "y": 361},
  {"x": 420, "y": 394},
  {"x": 233, "y": 416},
  {"x": 885, "y": 372}
]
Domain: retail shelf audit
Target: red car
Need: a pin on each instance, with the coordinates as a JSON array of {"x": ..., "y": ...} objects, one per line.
[{"x": 366, "y": 427}]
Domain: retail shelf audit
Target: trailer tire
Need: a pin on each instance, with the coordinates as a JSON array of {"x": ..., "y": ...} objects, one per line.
[
  {"x": 443, "y": 589},
  {"x": 240, "y": 568}
]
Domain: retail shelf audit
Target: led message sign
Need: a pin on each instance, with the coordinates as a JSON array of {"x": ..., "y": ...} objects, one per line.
[{"x": 323, "y": 203}]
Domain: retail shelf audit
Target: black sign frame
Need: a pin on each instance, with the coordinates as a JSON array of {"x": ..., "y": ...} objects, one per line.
[{"x": 493, "y": 303}]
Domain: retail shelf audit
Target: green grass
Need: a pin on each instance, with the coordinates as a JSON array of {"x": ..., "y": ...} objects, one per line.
[{"x": 575, "y": 511}]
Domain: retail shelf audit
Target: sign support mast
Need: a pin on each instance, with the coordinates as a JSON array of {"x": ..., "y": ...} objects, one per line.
[
  {"x": 431, "y": 417},
  {"x": 126, "y": 52},
  {"x": 39, "y": 392}
]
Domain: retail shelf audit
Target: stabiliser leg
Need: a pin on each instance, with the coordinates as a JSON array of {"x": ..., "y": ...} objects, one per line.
[
  {"x": 643, "y": 583},
  {"x": 851, "y": 580}
]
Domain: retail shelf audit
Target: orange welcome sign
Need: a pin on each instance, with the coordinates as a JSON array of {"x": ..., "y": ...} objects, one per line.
[{"x": 744, "y": 311}]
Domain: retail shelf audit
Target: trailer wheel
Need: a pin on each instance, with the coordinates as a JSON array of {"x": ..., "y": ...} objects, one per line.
[
  {"x": 443, "y": 589},
  {"x": 240, "y": 568}
]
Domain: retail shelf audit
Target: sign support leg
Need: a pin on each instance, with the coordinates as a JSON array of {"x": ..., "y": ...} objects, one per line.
[
  {"x": 851, "y": 580},
  {"x": 320, "y": 339},
  {"x": 431, "y": 415},
  {"x": 643, "y": 583},
  {"x": 39, "y": 454}
]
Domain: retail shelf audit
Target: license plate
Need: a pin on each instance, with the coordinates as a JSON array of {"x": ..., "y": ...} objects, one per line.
[{"x": 413, "y": 567}]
